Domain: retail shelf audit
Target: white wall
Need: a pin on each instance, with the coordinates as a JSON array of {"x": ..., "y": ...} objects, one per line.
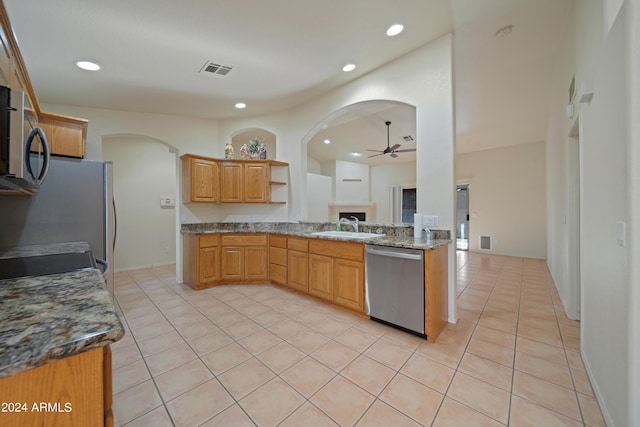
[
  {"x": 385, "y": 176},
  {"x": 604, "y": 186},
  {"x": 320, "y": 187},
  {"x": 633, "y": 105},
  {"x": 313, "y": 166},
  {"x": 507, "y": 198},
  {"x": 144, "y": 170},
  {"x": 352, "y": 182}
]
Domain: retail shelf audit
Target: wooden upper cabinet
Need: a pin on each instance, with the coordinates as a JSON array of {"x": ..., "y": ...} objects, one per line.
[
  {"x": 256, "y": 182},
  {"x": 199, "y": 180},
  {"x": 231, "y": 182},
  {"x": 66, "y": 135}
]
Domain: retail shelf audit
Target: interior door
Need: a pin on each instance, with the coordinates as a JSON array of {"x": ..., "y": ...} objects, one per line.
[{"x": 462, "y": 218}]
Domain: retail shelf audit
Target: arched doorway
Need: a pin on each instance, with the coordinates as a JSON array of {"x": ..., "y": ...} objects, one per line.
[{"x": 144, "y": 183}]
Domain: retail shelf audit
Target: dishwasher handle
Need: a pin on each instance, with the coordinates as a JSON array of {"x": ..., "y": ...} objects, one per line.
[{"x": 401, "y": 255}]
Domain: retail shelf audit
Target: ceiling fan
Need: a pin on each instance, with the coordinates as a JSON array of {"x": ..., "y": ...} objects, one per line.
[{"x": 391, "y": 151}]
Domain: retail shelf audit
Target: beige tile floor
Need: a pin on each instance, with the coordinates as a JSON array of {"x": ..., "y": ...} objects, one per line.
[{"x": 262, "y": 355}]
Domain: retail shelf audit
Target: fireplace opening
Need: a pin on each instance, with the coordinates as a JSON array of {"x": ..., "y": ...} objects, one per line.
[{"x": 362, "y": 216}]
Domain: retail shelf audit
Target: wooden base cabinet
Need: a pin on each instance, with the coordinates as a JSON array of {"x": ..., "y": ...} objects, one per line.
[
  {"x": 278, "y": 259},
  {"x": 201, "y": 260},
  {"x": 348, "y": 284},
  {"x": 244, "y": 258},
  {"x": 436, "y": 291},
  {"x": 74, "y": 391},
  {"x": 321, "y": 276},
  {"x": 298, "y": 263},
  {"x": 336, "y": 273}
]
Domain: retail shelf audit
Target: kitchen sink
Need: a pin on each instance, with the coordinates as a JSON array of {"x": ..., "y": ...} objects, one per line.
[{"x": 347, "y": 234}]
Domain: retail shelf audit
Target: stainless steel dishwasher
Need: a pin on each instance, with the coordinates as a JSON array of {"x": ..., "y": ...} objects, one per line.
[{"x": 395, "y": 287}]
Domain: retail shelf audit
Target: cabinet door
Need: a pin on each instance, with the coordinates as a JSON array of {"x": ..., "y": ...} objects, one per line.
[
  {"x": 298, "y": 271},
  {"x": 209, "y": 265},
  {"x": 256, "y": 182},
  {"x": 255, "y": 262},
  {"x": 203, "y": 181},
  {"x": 348, "y": 284},
  {"x": 232, "y": 262},
  {"x": 231, "y": 182},
  {"x": 321, "y": 276}
]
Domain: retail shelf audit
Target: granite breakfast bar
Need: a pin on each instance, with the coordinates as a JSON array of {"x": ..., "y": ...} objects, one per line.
[{"x": 55, "y": 331}]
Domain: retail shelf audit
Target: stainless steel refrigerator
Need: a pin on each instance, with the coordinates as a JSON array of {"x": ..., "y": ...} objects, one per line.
[{"x": 75, "y": 203}]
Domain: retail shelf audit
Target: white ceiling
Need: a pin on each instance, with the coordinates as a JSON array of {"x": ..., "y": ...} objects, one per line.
[{"x": 286, "y": 52}]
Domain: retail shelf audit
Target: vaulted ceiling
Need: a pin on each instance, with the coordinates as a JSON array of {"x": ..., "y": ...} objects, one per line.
[{"x": 286, "y": 52}]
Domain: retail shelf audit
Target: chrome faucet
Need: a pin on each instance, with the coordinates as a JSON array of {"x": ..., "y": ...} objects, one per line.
[{"x": 354, "y": 223}]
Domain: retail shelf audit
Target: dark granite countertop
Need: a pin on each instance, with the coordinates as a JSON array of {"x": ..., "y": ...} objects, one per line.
[
  {"x": 51, "y": 317},
  {"x": 395, "y": 236},
  {"x": 45, "y": 249}
]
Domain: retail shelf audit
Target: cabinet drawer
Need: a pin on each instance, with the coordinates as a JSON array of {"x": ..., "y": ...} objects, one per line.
[
  {"x": 278, "y": 241},
  {"x": 278, "y": 256},
  {"x": 278, "y": 274},
  {"x": 344, "y": 250},
  {"x": 208, "y": 240},
  {"x": 245, "y": 240},
  {"x": 301, "y": 245}
]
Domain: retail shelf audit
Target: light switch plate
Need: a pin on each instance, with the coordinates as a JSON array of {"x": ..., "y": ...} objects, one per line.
[{"x": 167, "y": 201}]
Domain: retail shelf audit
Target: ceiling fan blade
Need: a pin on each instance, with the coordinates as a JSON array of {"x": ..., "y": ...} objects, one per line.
[
  {"x": 377, "y": 151},
  {"x": 406, "y": 150},
  {"x": 393, "y": 154},
  {"x": 395, "y": 147},
  {"x": 376, "y": 155}
]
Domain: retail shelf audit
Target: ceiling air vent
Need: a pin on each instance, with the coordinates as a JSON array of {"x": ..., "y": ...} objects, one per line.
[
  {"x": 407, "y": 138},
  {"x": 217, "y": 70}
]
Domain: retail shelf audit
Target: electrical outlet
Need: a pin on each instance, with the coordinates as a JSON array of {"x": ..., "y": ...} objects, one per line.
[{"x": 430, "y": 221}]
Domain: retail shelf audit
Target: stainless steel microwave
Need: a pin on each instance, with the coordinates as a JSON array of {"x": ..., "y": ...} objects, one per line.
[{"x": 19, "y": 153}]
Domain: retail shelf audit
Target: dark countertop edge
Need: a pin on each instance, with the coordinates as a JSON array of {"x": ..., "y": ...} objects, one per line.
[
  {"x": 399, "y": 242},
  {"x": 62, "y": 351},
  {"x": 44, "y": 249}
]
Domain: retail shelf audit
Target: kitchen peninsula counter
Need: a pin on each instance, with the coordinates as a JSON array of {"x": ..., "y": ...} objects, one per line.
[
  {"x": 395, "y": 236},
  {"x": 327, "y": 267}
]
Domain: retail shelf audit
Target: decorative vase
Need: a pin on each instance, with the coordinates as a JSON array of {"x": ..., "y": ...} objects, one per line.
[
  {"x": 228, "y": 151},
  {"x": 254, "y": 155},
  {"x": 244, "y": 152},
  {"x": 262, "y": 151}
]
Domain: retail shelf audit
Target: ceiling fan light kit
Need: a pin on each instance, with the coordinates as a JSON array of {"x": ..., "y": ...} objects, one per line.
[{"x": 391, "y": 151}]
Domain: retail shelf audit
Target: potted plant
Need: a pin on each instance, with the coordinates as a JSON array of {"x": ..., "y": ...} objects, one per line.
[{"x": 254, "y": 147}]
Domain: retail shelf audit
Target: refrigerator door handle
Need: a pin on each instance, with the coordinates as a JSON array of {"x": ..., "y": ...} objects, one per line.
[{"x": 115, "y": 223}]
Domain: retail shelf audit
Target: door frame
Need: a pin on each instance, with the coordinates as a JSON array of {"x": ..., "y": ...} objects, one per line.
[{"x": 572, "y": 221}]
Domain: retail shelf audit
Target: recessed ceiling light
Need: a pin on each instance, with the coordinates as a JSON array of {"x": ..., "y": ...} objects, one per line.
[
  {"x": 88, "y": 65},
  {"x": 395, "y": 29},
  {"x": 240, "y": 105},
  {"x": 326, "y": 141},
  {"x": 355, "y": 153},
  {"x": 349, "y": 67},
  {"x": 504, "y": 31}
]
